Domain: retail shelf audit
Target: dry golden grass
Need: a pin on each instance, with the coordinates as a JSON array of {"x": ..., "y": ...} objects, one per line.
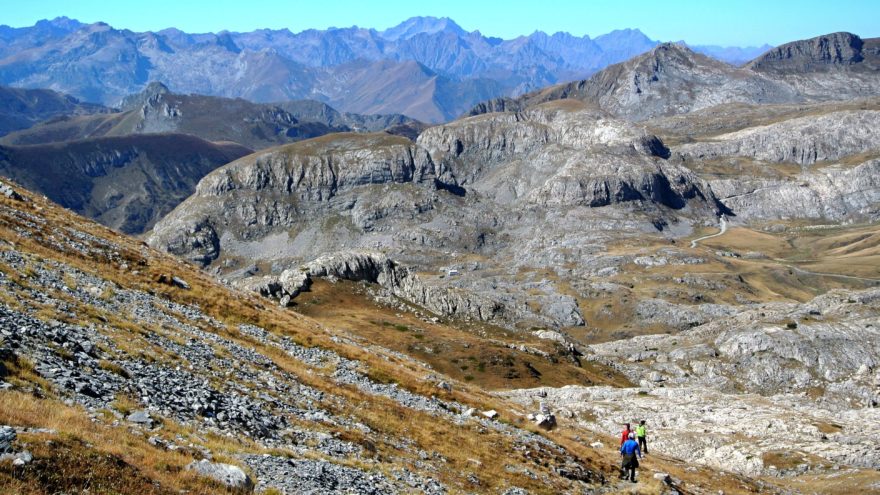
[
  {"x": 89, "y": 455},
  {"x": 449, "y": 347}
]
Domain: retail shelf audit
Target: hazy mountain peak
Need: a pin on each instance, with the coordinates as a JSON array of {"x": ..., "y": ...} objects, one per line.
[
  {"x": 418, "y": 25},
  {"x": 224, "y": 39},
  {"x": 735, "y": 55},
  {"x": 629, "y": 34},
  {"x": 63, "y": 23}
]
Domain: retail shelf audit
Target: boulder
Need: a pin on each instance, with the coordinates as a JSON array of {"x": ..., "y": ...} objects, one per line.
[
  {"x": 662, "y": 477},
  {"x": 7, "y": 436},
  {"x": 10, "y": 193},
  {"x": 545, "y": 421},
  {"x": 22, "y": 458},
  {"x": 141, "y": 417},
  {"x": 293, "y": 281},
  {"x": 231, "y": 476},
  {"x": 491, "y": 414}
]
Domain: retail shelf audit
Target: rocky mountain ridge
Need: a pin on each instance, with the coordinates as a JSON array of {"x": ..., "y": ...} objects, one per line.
[
  {"x": 22, "y": 108},
  {"x": 158, "y": 110},
  {"x": 435, "y": 68},
  {"x": 671, "y": 79}
]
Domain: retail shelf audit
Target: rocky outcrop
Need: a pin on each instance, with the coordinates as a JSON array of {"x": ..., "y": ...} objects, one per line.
[
  {"x": 503, "y": 104},
  {"x": 819, "y": 346},
  {"x": 804, "y": 140},
  {"x": 835, "y": 193},
  {"x": 831, "y": 51},
  {"x": 291, "y": 185},
  {"x": 535, "y": 155},
  {"x": 320, "y": 169},
  {"x": 198, "y": 244},
  {"x": 463, "y": 187},
  {"x": 379, "y": 269}
]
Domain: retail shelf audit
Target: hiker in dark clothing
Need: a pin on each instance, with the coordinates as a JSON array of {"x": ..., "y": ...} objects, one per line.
[
  {"x": 641, "y": 433},
  {"x": 629, "y": 462}
]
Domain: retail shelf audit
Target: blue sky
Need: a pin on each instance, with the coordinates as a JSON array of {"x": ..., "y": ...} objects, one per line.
[{"x": 725, "y": 22}]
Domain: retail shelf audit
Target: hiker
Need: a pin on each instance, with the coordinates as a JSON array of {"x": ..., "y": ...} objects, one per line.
[
  {"x": 625, "y": 435},
  {"x": 641, "y": 431},
  {"x": 629, "y": 462}
]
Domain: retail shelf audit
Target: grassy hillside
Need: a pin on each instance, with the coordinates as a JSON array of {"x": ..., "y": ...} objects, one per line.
[{"x": 103, "y": 306}]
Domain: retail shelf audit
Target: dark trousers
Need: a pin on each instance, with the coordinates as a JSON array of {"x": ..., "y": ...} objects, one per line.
[
  {"x": 643, "y": 445},
  {"x": 628, "y": 465}
]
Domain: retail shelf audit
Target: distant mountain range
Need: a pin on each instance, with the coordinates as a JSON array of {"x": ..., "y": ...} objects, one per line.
[{"x": 426, "y": 68}]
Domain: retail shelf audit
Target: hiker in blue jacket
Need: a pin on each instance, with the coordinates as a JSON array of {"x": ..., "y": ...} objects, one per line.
[{"x": 629, "y": 462}]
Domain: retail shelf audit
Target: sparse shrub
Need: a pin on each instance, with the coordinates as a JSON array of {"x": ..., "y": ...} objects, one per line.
[
  {"x": 113, "y": 368},
  {"x": 64, "y": 353},
  {"x": 380, "y": 376},
  {"x": 791, "y": 325},
  {"x": 108, "y": 294},
  {"x": 401, "y": 328},
  {"x": 468, "y": 378}
]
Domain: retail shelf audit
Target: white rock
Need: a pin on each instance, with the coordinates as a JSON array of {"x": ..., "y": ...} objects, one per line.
[
  {"x": 229, "y": 475},
  {"x": 664, "y": 477},
  {"x": 491, "y": 414}
]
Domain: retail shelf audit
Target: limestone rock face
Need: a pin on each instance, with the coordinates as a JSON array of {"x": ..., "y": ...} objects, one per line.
[
  {"x": 804, "y": 140},
  {"x": 823, "y": 52},
  {"x": 318, "y": 170},
  {"x": 832, "y": 193},
  {"x": 379, "y": 269},
  {"x": 198, "y": 244},
  {"x": 485, "y": 185},
  {"x": 539, "y": 156},
  {"x": 745, "y": 351}
]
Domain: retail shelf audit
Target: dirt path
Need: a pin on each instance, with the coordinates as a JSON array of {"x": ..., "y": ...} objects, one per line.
[
  {"x": 723, "y": 230},
  {"x": 783, "y": 262},
  {"x": 821, "y": 274}
]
